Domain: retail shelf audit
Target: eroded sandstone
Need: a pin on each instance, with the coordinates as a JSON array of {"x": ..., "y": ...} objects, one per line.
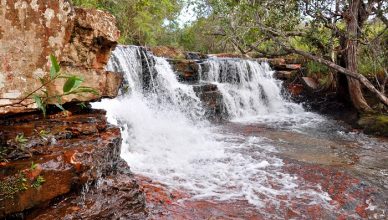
[{"x": 31, "y": 30}]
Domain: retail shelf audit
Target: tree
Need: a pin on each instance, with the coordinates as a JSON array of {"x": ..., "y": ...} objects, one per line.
[
  {"x": 141, "y": 22},
  {"x": 278, "y": 26}
]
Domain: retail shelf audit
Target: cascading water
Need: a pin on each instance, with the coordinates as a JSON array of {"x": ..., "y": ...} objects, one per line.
[
  {"x": 251, "y": 93},
  {"x": 248, "y": 87},
  {"x": 167, "y": 138}
]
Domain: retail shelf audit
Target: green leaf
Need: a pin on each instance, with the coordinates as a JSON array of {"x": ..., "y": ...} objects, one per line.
[
  {"x": 54, "y": 70},
  {"x": 33, "y": 166},
  {"x": 72, "y": 83},
  {"x": 77, "y": 83},
  {"x": 40, "y": 104},
  {"x": 82, "y": 105},
  {"x": 21, "y": 139},
  {"x": 60, "y": 106},
  {"x": 87, "y": 90}
]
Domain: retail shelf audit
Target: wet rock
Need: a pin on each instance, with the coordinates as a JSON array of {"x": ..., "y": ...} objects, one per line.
[
  {"x": 81, "y": 39},
  {"x": 68, "y": 152},
  {"x": 350, "y": 195},
  {"x": 148, "y": 72},
  {"x": 284, "y": 64},
  {"x": 211, "y": 98},
  {"x": 187, "y": 70},
  {"x": 116, "y": 197},
  {"x": 295, "y": 89}
]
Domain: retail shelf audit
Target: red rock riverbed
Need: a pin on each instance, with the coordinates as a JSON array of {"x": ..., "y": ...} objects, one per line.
[{"x": 339, "y": 173}]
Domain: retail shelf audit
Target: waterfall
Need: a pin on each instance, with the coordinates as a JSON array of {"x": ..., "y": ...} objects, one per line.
[
  {"x": 248, "y": 87},
  {"x": 166, "y": 136}
]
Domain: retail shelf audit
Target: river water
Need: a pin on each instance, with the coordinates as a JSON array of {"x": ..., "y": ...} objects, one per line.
[{"x": 270, "y": 155}]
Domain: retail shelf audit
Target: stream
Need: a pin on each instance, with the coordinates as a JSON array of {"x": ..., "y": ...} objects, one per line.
[{"x": 271, "y": 159}]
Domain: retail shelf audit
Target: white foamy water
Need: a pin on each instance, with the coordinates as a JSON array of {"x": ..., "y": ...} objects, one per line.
[
  {"x": 166, "y": 137},
  {"x": 251, "y": 93}
]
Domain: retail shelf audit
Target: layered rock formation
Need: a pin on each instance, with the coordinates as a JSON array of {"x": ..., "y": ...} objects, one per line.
[
  {"x": 50, "y": 167},
  {"x": 62, "y": 155},
  {"x": 31, "y": 30}
]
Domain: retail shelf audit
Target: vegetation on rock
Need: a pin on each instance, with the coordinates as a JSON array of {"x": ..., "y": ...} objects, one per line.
[{"x": 20, "y": 182}]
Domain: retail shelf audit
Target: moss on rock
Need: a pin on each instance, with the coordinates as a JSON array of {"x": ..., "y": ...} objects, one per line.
[{"x": 376, "y": 124}]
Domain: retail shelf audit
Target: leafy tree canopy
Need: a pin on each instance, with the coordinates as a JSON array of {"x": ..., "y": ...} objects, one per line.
[{"x": 141, "y": 22}]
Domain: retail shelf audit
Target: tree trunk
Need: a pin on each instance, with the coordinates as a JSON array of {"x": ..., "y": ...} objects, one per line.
[
  {"x": 362, "y": 79},
  {"x": 355, "y": 91}
]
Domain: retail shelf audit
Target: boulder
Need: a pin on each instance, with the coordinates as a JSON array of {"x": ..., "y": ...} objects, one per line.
[{"x": 31, "y": 30}]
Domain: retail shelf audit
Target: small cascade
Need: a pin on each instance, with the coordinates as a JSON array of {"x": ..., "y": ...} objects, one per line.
[
  {"x": 152, "y": 78},
  {"x": 126, "y": 59},
  {"x": 248, "y": 88}
]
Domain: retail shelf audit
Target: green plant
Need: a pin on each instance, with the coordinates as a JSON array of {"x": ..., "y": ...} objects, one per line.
[
  {"x": 82, "y": 105},
  {"x": 21, "y": 142},
  {"x": 20, "y": 139},
  {"x": 38, "y": 182},
  {"x": 44, "y": 134},
  {"x": 71, "y": 86},
  {"x": 10, "y": 186},
  {"x": 33, "y": 166},
  {"x": 42, "y": 97},
  {"x": 314, "y": 68}
]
